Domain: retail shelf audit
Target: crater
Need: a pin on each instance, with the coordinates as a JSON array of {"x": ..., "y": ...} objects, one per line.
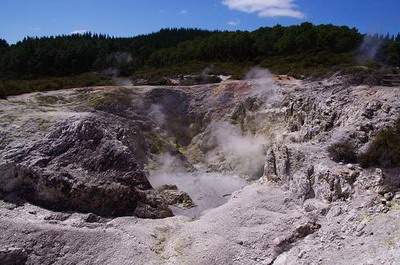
[{"x": 208, "y": 190}]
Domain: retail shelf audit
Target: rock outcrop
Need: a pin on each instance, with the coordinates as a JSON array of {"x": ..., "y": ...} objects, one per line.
[
  {"x": 87, "y": 162},
  {"x": 94, "y": 164}
]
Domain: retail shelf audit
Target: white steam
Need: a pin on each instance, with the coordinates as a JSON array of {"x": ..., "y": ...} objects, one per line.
[
  {"x": 207, "y": 190},
  {"x": 230, "y": 154},
  {"x": 234, "y": 156},
  {"x": 118, "y": 80},
  {"x": 121, "y": 57},
  {"x": 168, "y": 164},
  {"x": 157, "y": 115},
  {"x": 121, "y": 81},
  {"x": 263, "y": 86},
  {"x": 369, "y": 48},
  {"x": 243, "y": 154}
]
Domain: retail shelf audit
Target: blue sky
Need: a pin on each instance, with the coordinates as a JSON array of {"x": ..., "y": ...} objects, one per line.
[{"x": 20, "y": 18}]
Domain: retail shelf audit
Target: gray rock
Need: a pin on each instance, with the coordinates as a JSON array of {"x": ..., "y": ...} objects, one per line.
[
  {"x": 88, "y": 163},
  {"x": 57, "y": 217},
  {"x": 96, "y": 162},
  {"x": 388, "y": 196},
  {"x": 180, "y": 199},
  {"x": 13, "y": 256},
  {"x": 334, "y": 212}
]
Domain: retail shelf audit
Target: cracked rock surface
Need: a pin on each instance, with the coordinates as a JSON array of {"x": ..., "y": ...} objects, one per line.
[{"x": 75, "y": 166}]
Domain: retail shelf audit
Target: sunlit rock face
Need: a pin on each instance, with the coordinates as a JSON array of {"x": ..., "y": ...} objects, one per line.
[{"x": 93, "y": 163}]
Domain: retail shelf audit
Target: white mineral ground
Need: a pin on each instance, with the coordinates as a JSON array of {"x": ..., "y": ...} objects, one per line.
[{"x": 304, "y": 210}]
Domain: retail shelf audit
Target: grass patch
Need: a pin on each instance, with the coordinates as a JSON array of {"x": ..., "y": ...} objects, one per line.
[{"x": 17, "y": 87}]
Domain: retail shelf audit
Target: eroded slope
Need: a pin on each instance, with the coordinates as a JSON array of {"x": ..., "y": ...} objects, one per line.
[{"x": 305, "y": 208}]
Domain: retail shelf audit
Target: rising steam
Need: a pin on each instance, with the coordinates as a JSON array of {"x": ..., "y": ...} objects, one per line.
[
  {"x": 230, "y": 154},
  {"x": 369, "y": 48},
  {"x": 207, "y": 190},
  {"x": 263, "y": 86},
  {"x": 244, "y": 154},
  {"x": 156, "y": 113}
]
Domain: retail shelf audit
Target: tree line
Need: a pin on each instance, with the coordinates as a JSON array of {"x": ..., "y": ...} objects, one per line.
[{"x": 76, "y": 54}]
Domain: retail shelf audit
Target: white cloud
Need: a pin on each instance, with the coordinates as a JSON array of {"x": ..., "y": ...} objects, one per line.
[
  {"x": 79, "y": 31},
  {"x": 266, "y": 8},
  {"x": 233, "y": 22}
]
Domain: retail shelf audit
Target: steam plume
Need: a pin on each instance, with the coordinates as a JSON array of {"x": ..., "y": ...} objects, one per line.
[
  {"x": 245, "y": 154},
  {"x": 263, "y": 86}
]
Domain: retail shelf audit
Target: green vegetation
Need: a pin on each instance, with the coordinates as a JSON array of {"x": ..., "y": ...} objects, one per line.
[
  {"x": 384, "y": 151},
  {"x": 76, "y": 54},
  {"x": 309, "y": 64},
  {"x": 304, "y": 49},
  {"x": 15, "y": 87},
  {"x": 254, "y": 46},
  {"x": 343, "y": 151}
]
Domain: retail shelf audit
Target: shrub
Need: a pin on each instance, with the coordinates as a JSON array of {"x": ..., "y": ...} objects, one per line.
[
  {"x": 384, "y": 151},
  {"x": 343, "y": 151}
]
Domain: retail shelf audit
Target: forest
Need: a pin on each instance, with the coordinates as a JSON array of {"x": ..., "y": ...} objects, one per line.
[{"x": 299, "y": 49}]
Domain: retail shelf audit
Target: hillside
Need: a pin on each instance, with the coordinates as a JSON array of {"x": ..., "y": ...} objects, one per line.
[{"x": 305, "y": 49}]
